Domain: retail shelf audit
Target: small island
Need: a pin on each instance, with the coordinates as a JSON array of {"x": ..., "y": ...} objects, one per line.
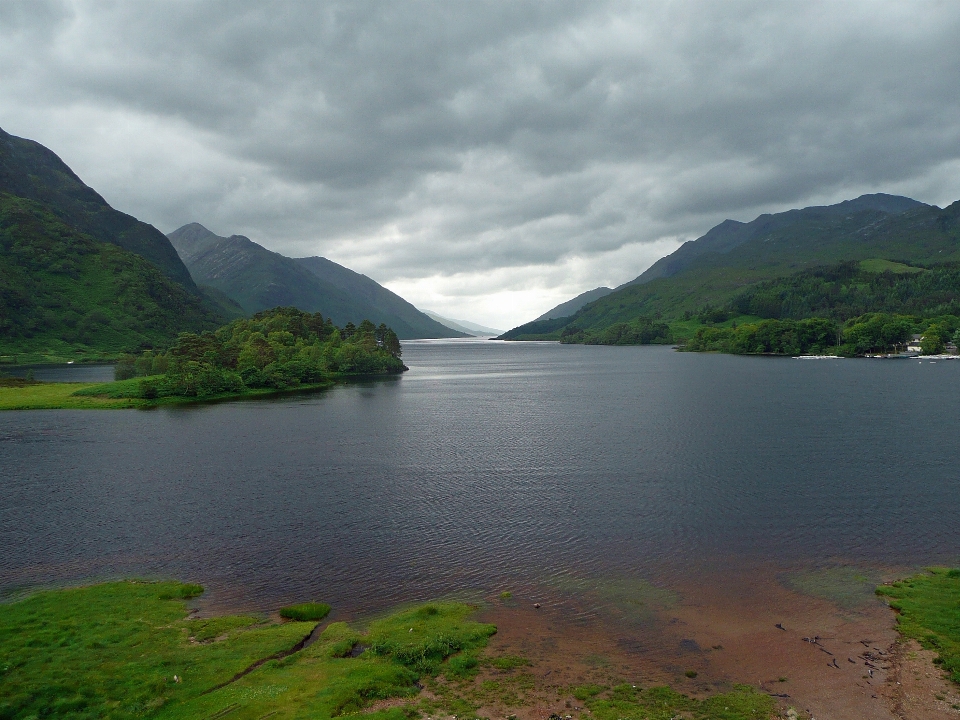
[{"x": 275, "y": 351}]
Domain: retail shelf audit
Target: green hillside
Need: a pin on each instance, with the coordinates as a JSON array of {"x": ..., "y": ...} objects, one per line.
[
  {"x": 65, "y": 295},
  {"x": 29, "y": 170},
  {"x": 711, "y": 271}
]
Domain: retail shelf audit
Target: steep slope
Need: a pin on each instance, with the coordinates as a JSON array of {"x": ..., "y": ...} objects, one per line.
[
  {"x": 259, "y": 279},
  {"x": 29, "y": 170},
  {"x": 397, "y": 312},
  {"x": 63, "y": 294},
  {"x": 710, "y": 271},
  {"x": 568, "y": 308},
  {"x": 731, "y": 234}
]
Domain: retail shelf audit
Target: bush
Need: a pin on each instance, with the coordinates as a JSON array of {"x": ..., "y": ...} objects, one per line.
[
  {"x": 125, "y": 368},
  {"x": 305, "y": 611}
]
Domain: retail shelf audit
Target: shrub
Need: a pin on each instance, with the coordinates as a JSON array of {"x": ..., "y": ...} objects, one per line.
[{"x": 305, "y": 611}]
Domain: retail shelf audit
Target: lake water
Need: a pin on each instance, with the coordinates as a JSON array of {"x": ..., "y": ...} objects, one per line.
[{"x": 492, "y": 465}]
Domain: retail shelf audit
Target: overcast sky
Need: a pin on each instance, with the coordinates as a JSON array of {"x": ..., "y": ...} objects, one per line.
[{"x": 486, "y": 160}]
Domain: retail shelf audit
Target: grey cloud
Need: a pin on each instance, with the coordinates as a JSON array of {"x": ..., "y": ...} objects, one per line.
[{"x": 435, "y": 138}]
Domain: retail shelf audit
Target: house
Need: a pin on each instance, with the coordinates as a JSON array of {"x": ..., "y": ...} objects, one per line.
[{"x": 914, "y": 345}]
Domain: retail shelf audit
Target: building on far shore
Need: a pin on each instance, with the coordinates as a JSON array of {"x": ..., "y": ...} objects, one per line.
[{"x": 914, "y": 345}]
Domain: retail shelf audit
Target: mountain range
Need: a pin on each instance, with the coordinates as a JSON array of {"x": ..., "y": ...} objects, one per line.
[
  {"x": 259, "y": 279},
  {"x": 733, "y": 256}
]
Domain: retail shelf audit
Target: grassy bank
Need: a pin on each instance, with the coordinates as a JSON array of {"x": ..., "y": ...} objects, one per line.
[
  {"x": 43, "y": 396},
  {"x": 115, "y": 395},
  {"x": 131, "y": 650},
  {"x": 928, "y": 610}
]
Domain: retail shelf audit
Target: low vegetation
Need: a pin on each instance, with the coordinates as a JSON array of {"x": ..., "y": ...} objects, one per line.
[
  {"x": 305, "y": 611},
  {"x": 928, "y": 610},
  {"x": 629, "y": 701},
  {"x": 132, "y": 650},
  {"x": 21, "y": 395}
]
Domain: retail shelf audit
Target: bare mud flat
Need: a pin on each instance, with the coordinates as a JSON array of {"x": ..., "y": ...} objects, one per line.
[{"x": 824, "y": 659}]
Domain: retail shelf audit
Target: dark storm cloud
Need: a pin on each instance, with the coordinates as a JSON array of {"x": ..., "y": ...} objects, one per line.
[{"x": 539, "y": 148}]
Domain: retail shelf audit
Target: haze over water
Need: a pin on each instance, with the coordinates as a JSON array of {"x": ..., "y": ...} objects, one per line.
[{"x": 495, "y": 465}]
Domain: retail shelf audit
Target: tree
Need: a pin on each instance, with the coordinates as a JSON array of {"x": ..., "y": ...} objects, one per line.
[{"x": 931, "y": 343}]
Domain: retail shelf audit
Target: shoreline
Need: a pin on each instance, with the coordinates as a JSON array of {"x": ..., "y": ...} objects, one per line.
[
  {"x": 39, "y": 395},
  {"x": 541, "y": 662}
]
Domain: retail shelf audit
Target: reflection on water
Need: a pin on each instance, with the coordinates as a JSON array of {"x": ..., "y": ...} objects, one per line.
[
  {"x": 62, "y": 373},
  {"x": 493, "y": 466}
]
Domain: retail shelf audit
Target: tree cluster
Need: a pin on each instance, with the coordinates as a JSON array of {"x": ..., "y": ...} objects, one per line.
[
  {"x": 641, "y": 331},
  {"x": 280, "y": 348},
  {"x": 846, "y": 291},
  {"x": 870, "y": 333}
]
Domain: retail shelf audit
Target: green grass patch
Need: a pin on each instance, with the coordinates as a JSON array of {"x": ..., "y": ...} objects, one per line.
[
  {"x": 305, "y": 611},
  {"x": 112, "y": 651},
  {"x": 928, "y": 608},
  {"x": 118, "y": 389},
  {"x": 129, "y": 650},
  {"x": 40, "y": 396},
  {"x": 626, "y": 702},
  {"x": 878, "y": 265},
  {"x": 116, "y": 395}
]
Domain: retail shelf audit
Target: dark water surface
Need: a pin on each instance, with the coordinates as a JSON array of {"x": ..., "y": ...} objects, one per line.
[
  {"x": 96, "y": 372},
  {"x": 491, "y": 464}
]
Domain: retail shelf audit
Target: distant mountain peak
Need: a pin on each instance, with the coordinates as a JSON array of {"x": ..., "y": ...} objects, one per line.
[{"x": 258, "y": 279}]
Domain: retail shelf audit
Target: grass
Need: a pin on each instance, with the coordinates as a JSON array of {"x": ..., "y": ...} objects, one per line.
[
  {"x": 878, "y": 265},
  {"x": 131, "y": 650},
  {"x": 928, "y": 608},
  {"x": 305, "y": 611},
  {"x": 628, "y": 702},
  {"x": 112, "y": 651},
  {"x": 42, "y": 396},
  {"x": 113, "y": 395}
]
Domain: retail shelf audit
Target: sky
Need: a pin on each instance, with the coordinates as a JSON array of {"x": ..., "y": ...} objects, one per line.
[{"x": 486, "y": 161}]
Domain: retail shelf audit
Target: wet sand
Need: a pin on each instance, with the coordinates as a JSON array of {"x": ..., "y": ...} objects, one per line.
[{"x": 825, "y": 660}]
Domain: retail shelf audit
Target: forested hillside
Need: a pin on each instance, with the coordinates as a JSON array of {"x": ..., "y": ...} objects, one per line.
[
  {"x": 775, "y": 265},
  {"x": 64, "y": 294},
  {"x": 31, "y": 171}
]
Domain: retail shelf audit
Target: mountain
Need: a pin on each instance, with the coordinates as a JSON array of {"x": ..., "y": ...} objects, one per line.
[
  {"x": 378, "y": 302},
  {"x": 29, "y": 170},
  {"x": 259, "y": 279},
  {"x": 733, "y": 256},
  {"x": 463, "y": 326},
  {"x": 66, "y": 295},
  {"x": 793, "y": 224},
  {"x": 78, "y": 279},
  {"x": 568, "y": 308}
]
